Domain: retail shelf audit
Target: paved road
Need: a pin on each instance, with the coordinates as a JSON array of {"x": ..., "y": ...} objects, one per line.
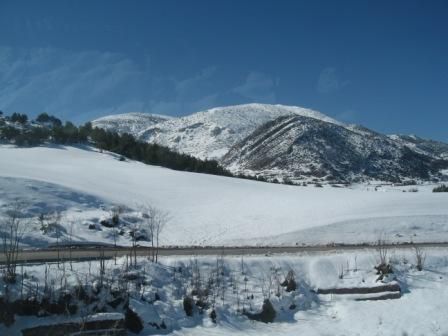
[{"x": 93, "y": 252}]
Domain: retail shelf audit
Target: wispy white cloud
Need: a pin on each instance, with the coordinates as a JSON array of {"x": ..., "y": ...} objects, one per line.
[
  {"x": 329, "y": 81},
  {"x": 257, "y": 87},
  {"x": 84, "y": 85},
  {"x": 347, "y": 116}
]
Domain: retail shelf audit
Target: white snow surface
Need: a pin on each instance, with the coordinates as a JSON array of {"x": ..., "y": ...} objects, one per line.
[
  {"x": 420, "y": 311},
  {"x": 215, "y": 210},
  {"x": 132, "y": 122}
]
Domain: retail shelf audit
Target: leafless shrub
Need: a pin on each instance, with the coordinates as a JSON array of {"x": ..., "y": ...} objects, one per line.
[
  {"x": 383, "y": 251},
  {"x": 290, "y": 282},
  {"x": 341, "y": 271},
  {"x": 115, "y": 213},
  {"x": 384, "y": 267},
  {"x": 266, "y": 286},
  {"x": 420, "y": 257},
  {"x": 12, "y": 229}
]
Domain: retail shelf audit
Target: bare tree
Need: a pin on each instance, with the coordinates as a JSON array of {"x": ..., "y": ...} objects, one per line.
[
  {"x": 52, "y": 223},
  {"x": 102, "y": 269},
  {"x": 70, "y": 234},
  {"x": 134, "y": 232},
  {"x": 115, "y": 233},
  {"x": 154, "y": 221},
  {"x": 161, "y": 219},
  {"x": 12, "y": 229}
]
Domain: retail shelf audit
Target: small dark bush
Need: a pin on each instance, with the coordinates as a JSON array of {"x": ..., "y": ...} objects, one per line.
[
  {"x": 382, "y": 270},
  {"x": 188, "y": 305},
  {"x": 107, "y": 223},
  {"x": 213, "y": 316},
  {"x": 7, "y": 317},
  {"x": 290, "y": 282},
  {"x": 163, "y": 325},
  {"x": 441, "y": 188},
  {"x": 132, "y": 321},
  {"x": 267, "y": 314}
]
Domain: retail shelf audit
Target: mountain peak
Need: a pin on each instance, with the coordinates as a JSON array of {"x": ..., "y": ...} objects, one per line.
[{"x": 132, "y": 122}]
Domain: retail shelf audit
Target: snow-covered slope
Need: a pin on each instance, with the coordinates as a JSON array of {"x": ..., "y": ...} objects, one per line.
[
  {"x": 254, "y": 139},
  {"x": 433, "y": 148},
  {"x": 132, "y": 123},
  {"x": 302, "y": 148},
  {"x": 210, "y": 133},
  {"x": 207, "y": 209}
]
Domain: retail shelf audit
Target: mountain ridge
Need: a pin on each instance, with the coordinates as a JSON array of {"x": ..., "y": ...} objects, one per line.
[
  {"x": 298, "y": 148},
  {"x": 233, "y": 135}
]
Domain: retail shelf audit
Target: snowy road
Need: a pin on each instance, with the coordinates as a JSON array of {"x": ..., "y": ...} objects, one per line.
[{"x": 93, "y": 252}]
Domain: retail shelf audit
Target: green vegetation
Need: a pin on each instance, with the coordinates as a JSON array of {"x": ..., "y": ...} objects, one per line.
[
  {"x": 441, "y": 188},
  {"x": 127, "y": 146},
  {"x": 46, "y": 129}
]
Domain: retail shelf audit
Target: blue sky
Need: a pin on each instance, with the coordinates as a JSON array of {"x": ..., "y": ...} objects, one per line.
[{"x": 383, "y": 64}]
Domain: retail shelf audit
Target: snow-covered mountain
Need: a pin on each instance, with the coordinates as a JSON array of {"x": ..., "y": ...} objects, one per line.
[
  {"x": 277, "y": 141},
  {"x": 303, "y": 148},
  {"x": 132, "y": 123},
  {"x": 430, "y": 147},
  {"x": 210, "y": 133}
]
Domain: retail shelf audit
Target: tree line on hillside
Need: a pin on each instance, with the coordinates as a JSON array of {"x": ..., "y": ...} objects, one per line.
[{"x": 18, "y": 130}]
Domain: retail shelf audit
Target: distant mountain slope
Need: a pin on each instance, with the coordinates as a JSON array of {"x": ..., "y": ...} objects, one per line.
[
  {"x": 430, "y": 147},
  {"x": 301, "y": 148},
  {"x": 277, "y": 141},
  {"x": 132, "y": 123},
  {"x": 211, "y": 133}
]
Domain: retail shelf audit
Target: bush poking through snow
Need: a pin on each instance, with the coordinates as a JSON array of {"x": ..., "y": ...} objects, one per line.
[
  {"x": 267, "y": 314},
  {"x": 133, "y": 322},
  {"x": 6, "y": 315},
  {"x": 382, "y": 251},
  {"x": 382, "y": 270},
  {"x": 341, "y": 272},
  {"x": 420, "y": 257},
  {"x": 384, "y": 267},
  {"x": 441, "y": 188},
  {"x": 188, "y": 305},
  {"x": 290, "y": 282},
  {"x": 213, "y": 316}
]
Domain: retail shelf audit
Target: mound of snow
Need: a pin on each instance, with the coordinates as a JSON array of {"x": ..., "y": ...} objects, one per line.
[{"x": 323, "y": 273}]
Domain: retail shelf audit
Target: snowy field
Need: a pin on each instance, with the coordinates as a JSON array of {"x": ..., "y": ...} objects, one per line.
[
  {"x": 246, "y": 282},
  {"x": 209, "y": 210}
]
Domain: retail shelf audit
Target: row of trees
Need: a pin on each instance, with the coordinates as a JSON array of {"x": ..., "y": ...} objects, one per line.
[
  {"x": 47, "y": 128},
  {"x": 128, "y": 146}
]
